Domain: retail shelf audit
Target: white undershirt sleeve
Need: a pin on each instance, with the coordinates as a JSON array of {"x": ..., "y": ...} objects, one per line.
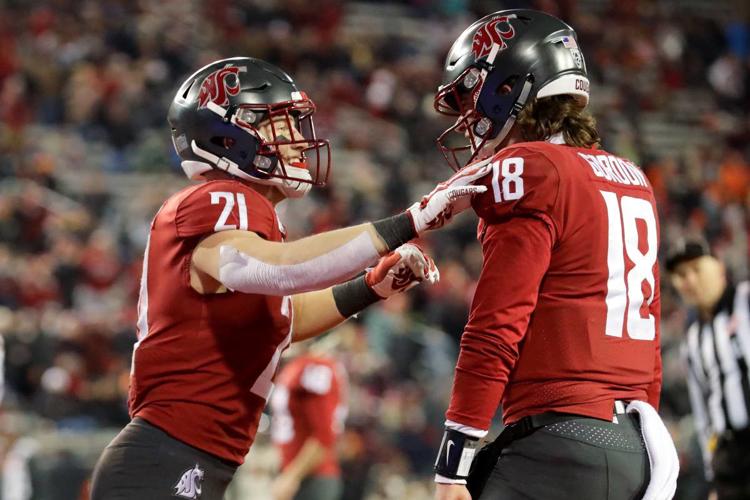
[{"x": 241, "y": 272}]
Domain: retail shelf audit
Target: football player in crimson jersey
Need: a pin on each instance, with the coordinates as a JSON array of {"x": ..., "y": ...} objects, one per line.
[
  {"x": 222, "y": 295},
  {"x": 309, "y": 407},
  {"x": 564, "y": 324}
]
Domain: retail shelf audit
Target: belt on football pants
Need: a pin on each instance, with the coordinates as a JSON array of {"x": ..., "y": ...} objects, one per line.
[
  {"x": 527, "y": 425},
  {"x": 487, "y": 457}
]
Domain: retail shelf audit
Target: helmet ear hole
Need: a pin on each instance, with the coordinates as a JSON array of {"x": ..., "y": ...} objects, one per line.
[
  {"x": 506, "y": 87},
  {"x": 223, "y": 142}
]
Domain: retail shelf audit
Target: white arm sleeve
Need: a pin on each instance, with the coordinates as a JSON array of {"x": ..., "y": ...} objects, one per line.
[{"x": 243, "y": 273}]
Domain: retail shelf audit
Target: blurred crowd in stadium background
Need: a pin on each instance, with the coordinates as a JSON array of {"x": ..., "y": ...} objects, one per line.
[{"x": 86, "y": 160}]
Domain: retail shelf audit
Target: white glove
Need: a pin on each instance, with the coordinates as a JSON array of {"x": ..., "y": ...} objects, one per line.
[
  {"x": 662, "y": 454},
  {"x": 401, "y": 270},
  {"x": 448, "y": 198}
]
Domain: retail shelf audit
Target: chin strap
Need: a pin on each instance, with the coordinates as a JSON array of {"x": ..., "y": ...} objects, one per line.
[{"x": 292, "y": 188}]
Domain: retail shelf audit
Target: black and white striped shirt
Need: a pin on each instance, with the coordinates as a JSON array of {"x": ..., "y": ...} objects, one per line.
[{"x": 718, "y": 352}]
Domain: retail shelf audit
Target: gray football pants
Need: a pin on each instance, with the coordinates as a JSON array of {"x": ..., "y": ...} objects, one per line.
[
  {"x": 145, "y": 463},
  {"x": 579, "y": 459}
]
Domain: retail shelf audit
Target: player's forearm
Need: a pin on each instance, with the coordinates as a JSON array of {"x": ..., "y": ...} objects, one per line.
[
  {"x": 317, "y": 312},
  {"x": 245, "y": 262},
  {"x": 314, "y": 313},
  {"x": 309, "y": 457},
  {"x": 369, "y": 239}
]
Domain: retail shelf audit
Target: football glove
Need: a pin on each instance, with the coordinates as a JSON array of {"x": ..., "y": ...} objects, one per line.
[
  {"x": 401, "y": 270},
  {"x": 448, "y": 198}
]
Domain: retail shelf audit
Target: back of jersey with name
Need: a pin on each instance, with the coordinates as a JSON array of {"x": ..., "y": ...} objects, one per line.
[
  {"x": 203, "y": 364},
  {"x": 593, "y": 335}
]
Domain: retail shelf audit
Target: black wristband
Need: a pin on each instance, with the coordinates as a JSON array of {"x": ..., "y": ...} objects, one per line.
[
  {"x": 396, "y": 230},
  {"x": 456, "y": 454},
  {"x": 354, "y": 295}
]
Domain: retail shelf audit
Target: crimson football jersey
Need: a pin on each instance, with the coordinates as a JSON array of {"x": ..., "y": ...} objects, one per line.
[
  {"x": 565, "y": 316},
  {"x": 309, "y": 402},
  {"x": 203, "y": 364}
]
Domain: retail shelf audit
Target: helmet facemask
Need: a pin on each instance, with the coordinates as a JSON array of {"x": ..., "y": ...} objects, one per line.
[
  {"x": 284, "y": 130},
  {"x": 458, "y": 99}
]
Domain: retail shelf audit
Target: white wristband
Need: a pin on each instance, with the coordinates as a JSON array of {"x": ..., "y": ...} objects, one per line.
[{"x": 446, "y": 480}]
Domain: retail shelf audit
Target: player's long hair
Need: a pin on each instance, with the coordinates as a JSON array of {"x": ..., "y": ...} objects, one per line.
[{"x": 545, "y": 117}]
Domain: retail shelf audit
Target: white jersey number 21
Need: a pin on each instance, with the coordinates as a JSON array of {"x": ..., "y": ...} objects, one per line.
[{"x": 228, "y": 198}]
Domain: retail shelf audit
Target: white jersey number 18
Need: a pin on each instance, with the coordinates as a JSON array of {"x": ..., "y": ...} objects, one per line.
[{"x": 625, "y": 293}]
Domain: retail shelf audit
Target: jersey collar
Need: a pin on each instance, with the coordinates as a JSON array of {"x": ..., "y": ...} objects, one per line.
[{"x": 556, "y": 138}]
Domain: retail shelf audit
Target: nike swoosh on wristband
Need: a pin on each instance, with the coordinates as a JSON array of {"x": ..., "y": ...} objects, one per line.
[{"x": 448, "y": 451}]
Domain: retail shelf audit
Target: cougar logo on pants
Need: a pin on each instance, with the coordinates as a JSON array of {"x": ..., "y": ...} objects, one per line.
[{"x": 189, "y": 485}]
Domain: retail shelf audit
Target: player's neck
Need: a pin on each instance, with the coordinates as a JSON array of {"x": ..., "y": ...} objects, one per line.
[{"x": 513, "y": 137}]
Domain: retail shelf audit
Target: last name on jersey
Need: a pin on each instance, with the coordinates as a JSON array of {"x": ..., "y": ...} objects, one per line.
[{"x": 615, "y": 169}]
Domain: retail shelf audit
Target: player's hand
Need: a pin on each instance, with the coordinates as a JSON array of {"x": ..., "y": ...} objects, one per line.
[
  {"x": 284, "y": 487},
  {"x": 451, "y": 492},
  {"x": 401, "y": 270},
  {"x": 449, "y": 198}
]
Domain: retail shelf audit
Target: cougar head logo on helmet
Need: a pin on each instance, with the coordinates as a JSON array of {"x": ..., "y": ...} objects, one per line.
[
  {"x": 217, "y": 88},
  {"x": 489, "y": 34},
  {"x": 247, "y": 117},
  {"x": 494, "y": 68}
]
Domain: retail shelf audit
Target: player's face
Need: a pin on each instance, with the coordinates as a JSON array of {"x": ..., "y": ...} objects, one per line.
[
  {"x": 700, "y": 282},
  {"x": 280, "y": 129}
]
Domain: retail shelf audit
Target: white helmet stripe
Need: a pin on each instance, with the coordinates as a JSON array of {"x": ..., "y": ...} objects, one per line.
[{"x": 575, "y": 85}]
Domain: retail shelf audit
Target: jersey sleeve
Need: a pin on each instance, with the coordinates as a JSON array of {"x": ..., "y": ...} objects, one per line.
[
  {"x": 224, "y": 206},
  {"x": 654, "y": 389},
  {"x": 516, "y": 252},
  {"x": 318, "y": 402},
  {"x": 523, "y": 182}
]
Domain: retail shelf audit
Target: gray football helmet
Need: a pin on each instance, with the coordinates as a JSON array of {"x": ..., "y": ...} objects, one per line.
[
  {"x": 216, "y": 119},
  {"x": 495, "y": 67}
]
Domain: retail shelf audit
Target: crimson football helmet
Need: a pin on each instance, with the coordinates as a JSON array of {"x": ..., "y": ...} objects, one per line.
[
  {"x": 221, "y": 117},
  {"x": 494, "y": 68}
]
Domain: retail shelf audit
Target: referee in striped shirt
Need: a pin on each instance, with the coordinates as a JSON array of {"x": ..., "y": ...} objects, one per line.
[{"x": 717, "y": 348}]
